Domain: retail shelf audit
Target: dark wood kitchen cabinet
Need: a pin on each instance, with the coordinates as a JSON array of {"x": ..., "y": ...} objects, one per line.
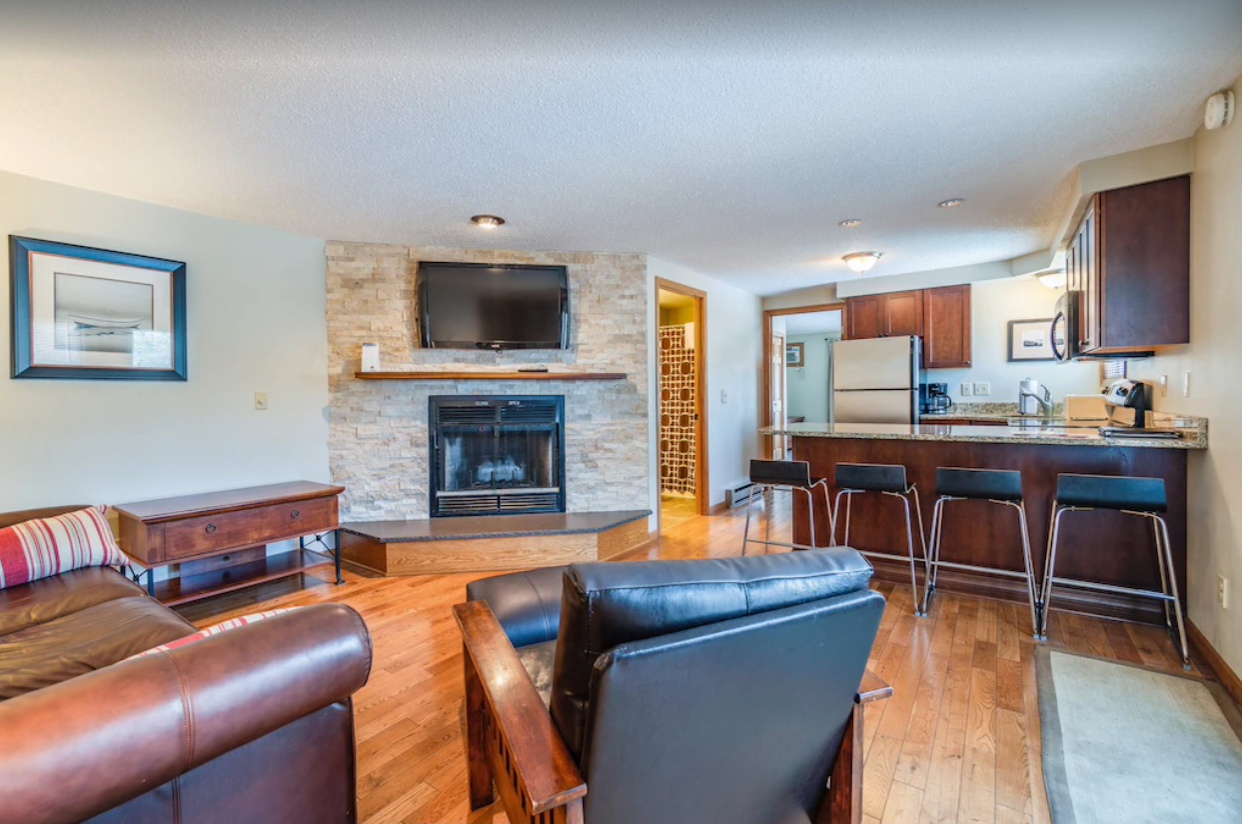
[
  {"x": 864, "y": 317},
  {"x": 903, "y": 313},
  {"x": 941, "y": 316},
  {"x": 946, "y": 327},
  {"x": 887, "y": 315},
  {"x": 1129, "y": 262}
]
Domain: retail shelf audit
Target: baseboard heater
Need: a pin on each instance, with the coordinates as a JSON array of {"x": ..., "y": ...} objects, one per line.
[{"x": 740, "y": 494}]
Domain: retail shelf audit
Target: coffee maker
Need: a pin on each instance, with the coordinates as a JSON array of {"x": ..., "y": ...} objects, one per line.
[
  {"x": 934, "y": 398},
  {"x": 1125, "y": 394}
]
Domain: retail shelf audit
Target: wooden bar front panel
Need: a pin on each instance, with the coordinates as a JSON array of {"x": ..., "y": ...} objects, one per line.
[{"x": 1103, "y": 546}]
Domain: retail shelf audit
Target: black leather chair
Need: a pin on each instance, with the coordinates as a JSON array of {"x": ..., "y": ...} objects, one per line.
[{"x": 718, "y": 689}]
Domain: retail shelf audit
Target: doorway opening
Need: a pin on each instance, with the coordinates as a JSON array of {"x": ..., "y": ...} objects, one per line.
[
  {"x": 798, "y": 368},
  {"x": 681, "y": 385}
]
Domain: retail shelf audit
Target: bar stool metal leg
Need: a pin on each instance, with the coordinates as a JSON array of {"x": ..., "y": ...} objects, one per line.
[
  {"x": 1172, "y": 579},
  {"x": 905, "y": 500},
  {"x": 1030, "y": 567},
  {"x": 937, "y": 524},
  {"x": 1057, "y": 512},
  {"x": 768, "y": 497},
  {"x": 935, "y": 562},
  {"x": 1164, "y": 579}
]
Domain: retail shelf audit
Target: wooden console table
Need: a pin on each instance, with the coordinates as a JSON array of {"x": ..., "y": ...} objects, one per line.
[{"x": 219, "y": 539}]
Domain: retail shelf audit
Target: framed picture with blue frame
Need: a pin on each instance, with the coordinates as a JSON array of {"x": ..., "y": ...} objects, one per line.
[{"x": 95, "y": 314}]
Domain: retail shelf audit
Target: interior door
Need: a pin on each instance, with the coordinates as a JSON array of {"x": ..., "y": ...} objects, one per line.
[{"x": 777, "y": 394}]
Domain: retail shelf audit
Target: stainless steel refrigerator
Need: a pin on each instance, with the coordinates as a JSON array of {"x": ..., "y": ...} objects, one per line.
[{"x": 876, "y": 380}]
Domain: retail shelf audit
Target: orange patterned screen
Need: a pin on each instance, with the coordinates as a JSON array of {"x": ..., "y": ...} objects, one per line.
[{"x": 677, "y": 411}]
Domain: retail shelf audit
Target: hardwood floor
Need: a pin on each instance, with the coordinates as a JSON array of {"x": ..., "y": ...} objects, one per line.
[{"x": 958, "y": 741}]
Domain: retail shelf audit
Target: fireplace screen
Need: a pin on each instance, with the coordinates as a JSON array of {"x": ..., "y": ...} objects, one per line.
[{"x": 497, "y": 454}]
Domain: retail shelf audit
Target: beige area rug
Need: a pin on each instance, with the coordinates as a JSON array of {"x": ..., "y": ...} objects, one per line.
[{"x": 1124, "y": 743}]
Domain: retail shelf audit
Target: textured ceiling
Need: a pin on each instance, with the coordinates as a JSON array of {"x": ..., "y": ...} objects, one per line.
[{"x": 729, "y": 137}]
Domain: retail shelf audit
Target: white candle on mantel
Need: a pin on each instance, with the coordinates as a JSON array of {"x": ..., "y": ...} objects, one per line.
[{"x": 370, "y": 357}]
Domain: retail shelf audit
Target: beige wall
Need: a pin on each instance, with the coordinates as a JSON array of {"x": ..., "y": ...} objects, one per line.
[
  {"x": 1214, "y": 359},
  {"x": 255, "y": 301},
  {"x": 993, "y": 303}
]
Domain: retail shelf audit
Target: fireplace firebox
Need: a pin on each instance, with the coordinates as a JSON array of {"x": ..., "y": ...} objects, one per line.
[{"x": 493, "y": 454}]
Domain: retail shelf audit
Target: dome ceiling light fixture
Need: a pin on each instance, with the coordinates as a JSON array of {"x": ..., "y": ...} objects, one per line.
[
  {"x": 487, "y": 221},
  {"x": 951, "y": 202},
  {"x": 861, "y": 261},
  {"x": 849, "y": 222},
  {"x": 1053, "y": 279}
]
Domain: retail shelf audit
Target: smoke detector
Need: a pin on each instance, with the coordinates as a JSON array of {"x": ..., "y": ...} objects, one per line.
[{"x": 1218, "y": 111}]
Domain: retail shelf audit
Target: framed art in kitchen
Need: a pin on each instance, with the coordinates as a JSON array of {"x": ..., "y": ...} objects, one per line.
[
  {"x": 1031, "y": 340},
  {"x": 86, "y": 313}
]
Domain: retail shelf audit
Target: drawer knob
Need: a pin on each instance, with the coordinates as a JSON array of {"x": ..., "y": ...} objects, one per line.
[
  {"x": 211, "y": 528},
  {"x": 295, "y": 513}
]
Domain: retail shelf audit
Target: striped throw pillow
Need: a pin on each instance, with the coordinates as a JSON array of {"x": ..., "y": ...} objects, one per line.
[
  {"x": 223, "y": 626},
  {"x": 49, "y": 546}
]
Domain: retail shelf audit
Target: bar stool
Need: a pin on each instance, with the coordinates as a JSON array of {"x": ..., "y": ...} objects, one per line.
[
  {"x": 888, "y": 479},
  {"x": 793, "y": 476},
  {"x": 998, "y": 486},
  {"x": 1144, "y": 497}
]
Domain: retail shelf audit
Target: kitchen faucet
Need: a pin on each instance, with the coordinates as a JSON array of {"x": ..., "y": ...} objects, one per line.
[{"x": 1033, "y": 390}]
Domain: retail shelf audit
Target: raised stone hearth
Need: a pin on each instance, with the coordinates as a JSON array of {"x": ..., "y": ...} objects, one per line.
[
  {"x": 379, "y": 445},
  {"x": 486, "y": 543}
]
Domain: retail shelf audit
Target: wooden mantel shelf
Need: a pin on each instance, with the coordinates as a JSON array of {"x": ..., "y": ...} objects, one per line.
[{"x": 481, "y": 375}]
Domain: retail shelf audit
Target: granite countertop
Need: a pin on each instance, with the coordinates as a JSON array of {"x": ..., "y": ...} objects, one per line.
[
  {"x": 992, "y": 412},
  {"x": 1037, "y": 431}
]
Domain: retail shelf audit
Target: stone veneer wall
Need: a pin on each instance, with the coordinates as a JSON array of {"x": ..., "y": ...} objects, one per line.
[{"x": 378, "y": 441}]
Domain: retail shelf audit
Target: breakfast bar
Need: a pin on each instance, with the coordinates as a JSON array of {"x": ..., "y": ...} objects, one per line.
[{"x": 1102, "y": 546}]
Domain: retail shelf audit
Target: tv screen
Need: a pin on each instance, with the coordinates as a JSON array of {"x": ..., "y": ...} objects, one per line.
[{"x": 492, "y": 306}]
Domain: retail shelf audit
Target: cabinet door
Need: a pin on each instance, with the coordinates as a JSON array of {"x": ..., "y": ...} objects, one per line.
[
  {"x": 863, "y": 317},
  {"x": 946, "y": 327},
  {"x": 903, "y": 313},
  {"x": 1088, "y": 262}
]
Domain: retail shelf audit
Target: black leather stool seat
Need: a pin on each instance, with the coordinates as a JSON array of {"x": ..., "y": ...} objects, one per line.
[
  {"x": 1112, "y": 492},
  {"x": 872, "y": 477},
  {"x": 781, "y": 473},
  {"x": 989, "y": 484}
]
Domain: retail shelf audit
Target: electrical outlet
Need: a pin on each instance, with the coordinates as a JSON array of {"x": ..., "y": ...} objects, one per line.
[
  {"x": 966, "y": 390},
  {"x": 983, "y": 388},
  {"x": 1222, "y": 591},
  {"x": 260, "y": 401},
  {"x": 1186, "y": 384},
  {"x": 1164, "y": 386},
  {"x": 724, "y": 396}
]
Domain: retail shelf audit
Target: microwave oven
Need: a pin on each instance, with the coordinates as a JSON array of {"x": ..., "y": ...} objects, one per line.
[{"x": 1065, "y": 335}]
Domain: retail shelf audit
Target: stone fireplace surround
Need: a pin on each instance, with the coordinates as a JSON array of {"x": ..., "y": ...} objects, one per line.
[{"x": 378, "y": 439}]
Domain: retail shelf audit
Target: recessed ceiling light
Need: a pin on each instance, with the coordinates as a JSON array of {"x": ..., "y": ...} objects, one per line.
[
  {"x": 951, "y": 202},
  {"x": 850, "y": 221},
  {"x": 861, "y": 261},
  {"x": 487, "y": 221}
]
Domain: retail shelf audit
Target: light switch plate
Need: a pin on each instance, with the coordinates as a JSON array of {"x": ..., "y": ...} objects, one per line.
[
  {"x": 260, "y": 401},
  {"x": 1186, "y": 384},
  {"x": 983, "y": 388},
  {"x": 966, "y": 390}
]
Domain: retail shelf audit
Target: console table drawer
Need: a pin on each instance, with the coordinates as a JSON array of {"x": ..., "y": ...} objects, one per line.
[{"x": 213, "y": 533}]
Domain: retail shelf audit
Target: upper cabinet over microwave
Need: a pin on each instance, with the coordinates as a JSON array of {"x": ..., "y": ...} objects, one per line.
[{"x": 1128, "y": 273}]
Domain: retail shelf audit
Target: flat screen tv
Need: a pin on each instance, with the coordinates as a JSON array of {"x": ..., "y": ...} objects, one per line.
[{"x": 492, "y": 306}]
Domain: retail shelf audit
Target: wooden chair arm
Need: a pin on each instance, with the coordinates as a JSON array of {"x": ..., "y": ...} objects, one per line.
[
  {"x": 545, "y": 770},
  {"x": 872, "y": 688}
]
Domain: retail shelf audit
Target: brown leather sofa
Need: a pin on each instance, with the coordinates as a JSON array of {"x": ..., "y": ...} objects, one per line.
[{"x": 251, "y": 725}]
